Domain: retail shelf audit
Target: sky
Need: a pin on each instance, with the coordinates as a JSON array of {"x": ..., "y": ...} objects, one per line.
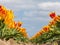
[{"x": 33, "y": 13}]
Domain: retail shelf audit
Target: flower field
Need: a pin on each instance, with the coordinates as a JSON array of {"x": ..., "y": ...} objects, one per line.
[
  {"x": 50, "y": 32},
  {"x": 10, "y": 29}
]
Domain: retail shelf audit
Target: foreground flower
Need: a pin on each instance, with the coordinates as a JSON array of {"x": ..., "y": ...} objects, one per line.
[
  {"x": 2, "y": 12},
  {"x": 9, "y": 17},
  {"x": 9, "y": 27}
]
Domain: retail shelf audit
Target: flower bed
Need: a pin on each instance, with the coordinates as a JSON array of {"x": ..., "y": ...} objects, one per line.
[
  {"x": 9, "y": 28},
  {"x": 11, "y": 32},
  {"x": 49, "y": 33}
]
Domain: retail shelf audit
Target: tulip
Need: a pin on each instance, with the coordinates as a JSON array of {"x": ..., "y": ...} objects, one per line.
[{"x": 52, "y": 15}]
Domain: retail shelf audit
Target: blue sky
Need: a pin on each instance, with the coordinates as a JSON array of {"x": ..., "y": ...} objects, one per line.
[{"x": 33, "y": 13}]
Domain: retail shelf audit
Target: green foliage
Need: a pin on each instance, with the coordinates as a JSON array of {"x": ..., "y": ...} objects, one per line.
[
  {"x": 7, "y": 33},
  {"x": 52, "y": 35}
]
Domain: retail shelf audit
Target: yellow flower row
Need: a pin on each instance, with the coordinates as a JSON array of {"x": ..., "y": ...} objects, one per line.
[
  {"x": 45, "y": 29},
  {"x": 8, "y": 17}
]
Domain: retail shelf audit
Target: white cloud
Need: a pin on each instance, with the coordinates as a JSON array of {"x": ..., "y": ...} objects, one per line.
[
  {"x": 10, "y": 1},
  {"x": 49, "y": 5},
  {"x": 35, "y": 13},
  {"x": 3, "y": 1},
  {"x": 30, "y": 4},
  {"x": 18, "y": 4},
  {"x": 35, "y": 19}
]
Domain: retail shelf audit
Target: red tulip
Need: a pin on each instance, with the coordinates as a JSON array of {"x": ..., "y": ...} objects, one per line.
[
  {"x": 52, "y": 15},
  {"x": 0, "y": 6}
]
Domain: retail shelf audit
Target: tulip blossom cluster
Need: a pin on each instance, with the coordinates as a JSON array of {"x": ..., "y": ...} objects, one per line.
[
  {"x": 8, "y": 17},
  {"x": 47, "y": 28}
]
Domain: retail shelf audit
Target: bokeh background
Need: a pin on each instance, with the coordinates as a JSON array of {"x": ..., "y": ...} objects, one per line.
[{"x": 33, "y": 13}]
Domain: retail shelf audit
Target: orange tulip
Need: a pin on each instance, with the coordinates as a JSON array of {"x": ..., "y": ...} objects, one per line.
[
  {"x": 57, "y": 18},
  {"x": 46, "y": 28},
  {"x": 52, "y": 23},
  {"x": 19, "y": 24}
]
